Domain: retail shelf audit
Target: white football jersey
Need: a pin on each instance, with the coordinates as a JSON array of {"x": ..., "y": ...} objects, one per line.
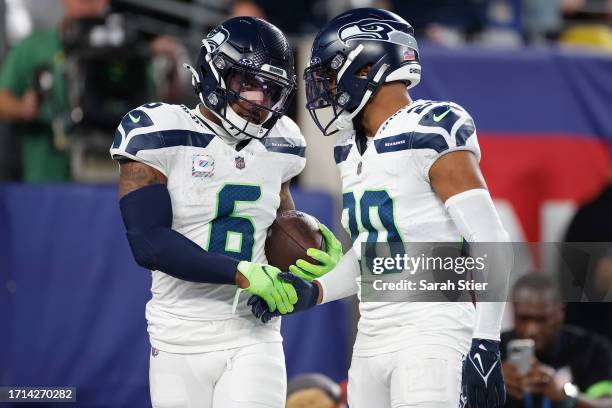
[
  {"x": 387, "y": 197},
  {"x": 223, "y": 200}
]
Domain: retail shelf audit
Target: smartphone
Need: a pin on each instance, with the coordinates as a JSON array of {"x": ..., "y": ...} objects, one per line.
[{"x": 520, "y": 354}]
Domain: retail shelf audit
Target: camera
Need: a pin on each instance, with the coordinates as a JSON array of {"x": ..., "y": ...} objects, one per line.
[
  {"x": 106, "y": 67},
  {"x": 106, "y": 71}
]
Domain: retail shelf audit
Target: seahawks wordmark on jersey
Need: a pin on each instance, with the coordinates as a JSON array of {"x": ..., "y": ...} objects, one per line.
[
  {"x": 222, "y": 199},
  {"x": 387, "y": 197}
]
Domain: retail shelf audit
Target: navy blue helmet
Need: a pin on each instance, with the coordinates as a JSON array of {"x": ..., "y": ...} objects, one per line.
[
  {"x": 245, "y": 75},
  {"x": 362, "y": 40}
]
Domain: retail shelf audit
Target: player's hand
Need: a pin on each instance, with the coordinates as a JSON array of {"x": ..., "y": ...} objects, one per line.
[
  {"x": 483, "y": 379},
  {"x": 307, "y": 298},
  {"x": 540, "y": 380},
  {"x": 264, "y": 282},
  {"x": 327, "y": 259}
]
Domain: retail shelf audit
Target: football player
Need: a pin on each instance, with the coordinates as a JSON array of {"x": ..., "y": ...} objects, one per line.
[
  {"x": 410, "y": 173},
  {"x": 198, "y": 189}
]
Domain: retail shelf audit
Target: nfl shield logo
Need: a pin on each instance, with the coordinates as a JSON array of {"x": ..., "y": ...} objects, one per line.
[{"x": 240, "y": 163}]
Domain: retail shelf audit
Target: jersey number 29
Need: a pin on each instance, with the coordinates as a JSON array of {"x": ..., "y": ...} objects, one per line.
[{"x": 384, "y": 207}]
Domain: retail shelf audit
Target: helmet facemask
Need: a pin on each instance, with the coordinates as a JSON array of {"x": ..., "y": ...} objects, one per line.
[
  {"x": 252, "y": 98},
  {"x": 347, "y": 46},
  {"x": 321, "y": 97},
  {"x": 325, "y": 90}
]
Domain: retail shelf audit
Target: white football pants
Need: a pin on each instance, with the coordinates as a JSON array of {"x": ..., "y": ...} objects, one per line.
[
  {"x": 247, "y": 377},
  {"x": 423, "y": 376}
]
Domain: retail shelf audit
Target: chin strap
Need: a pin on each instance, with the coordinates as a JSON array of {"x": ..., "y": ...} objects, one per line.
[
  {"x": 233, "y": 117},
  {"x": 217, "y": 129}
]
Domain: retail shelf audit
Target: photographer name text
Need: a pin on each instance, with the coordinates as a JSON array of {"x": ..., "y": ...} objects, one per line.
[{"x": 425, "y": 285}]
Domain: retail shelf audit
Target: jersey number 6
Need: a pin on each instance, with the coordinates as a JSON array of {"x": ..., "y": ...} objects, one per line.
[{"x": 230, "y": 234}]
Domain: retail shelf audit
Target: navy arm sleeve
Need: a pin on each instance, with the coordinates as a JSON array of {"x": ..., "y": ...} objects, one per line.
[{"x": 147, "y": 215}]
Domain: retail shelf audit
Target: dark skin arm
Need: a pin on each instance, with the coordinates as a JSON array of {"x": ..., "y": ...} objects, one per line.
[
  {"x": 455, "y": 173},
  {"x": 540, "y": 381},
  {"x": 18, "y": 108},
  {"x": 286, "y": 201},
  {"x": 134, "y": 175}
]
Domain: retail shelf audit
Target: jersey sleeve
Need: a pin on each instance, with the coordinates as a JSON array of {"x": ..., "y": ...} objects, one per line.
[
  {"x": 445, "y": 128},
  {"x": 286, "y": 138},
  {"x": 138, "y": 137}
]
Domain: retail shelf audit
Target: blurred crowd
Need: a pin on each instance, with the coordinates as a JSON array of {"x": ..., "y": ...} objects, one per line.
[{"x": 43, "y": 116}]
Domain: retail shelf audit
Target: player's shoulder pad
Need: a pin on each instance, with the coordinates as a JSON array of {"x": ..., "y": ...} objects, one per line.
[
  {"x": 285, "y": 137},
  {"x": 433, "y": 125},
  {"x": 449, "y": 120},
  {"x": 155, "y": 126}
]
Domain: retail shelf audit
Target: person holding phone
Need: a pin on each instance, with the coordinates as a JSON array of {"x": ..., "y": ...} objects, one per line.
[{"x": 546, "y": 363}]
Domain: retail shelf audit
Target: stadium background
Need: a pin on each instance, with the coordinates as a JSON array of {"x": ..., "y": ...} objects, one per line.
[{"x": 72, "y": 298}]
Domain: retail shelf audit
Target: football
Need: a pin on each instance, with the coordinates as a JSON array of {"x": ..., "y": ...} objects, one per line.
[{"x": 290, "y": 236}]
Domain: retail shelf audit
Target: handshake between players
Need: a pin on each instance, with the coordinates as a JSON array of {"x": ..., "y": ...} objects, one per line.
[{"x": 294, "y": 290}]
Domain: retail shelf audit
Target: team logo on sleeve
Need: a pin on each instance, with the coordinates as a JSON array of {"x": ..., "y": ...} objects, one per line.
[{"x": 203, "y": 166}]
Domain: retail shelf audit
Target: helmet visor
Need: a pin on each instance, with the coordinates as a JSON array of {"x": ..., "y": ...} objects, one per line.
[
  {"x": 320, "y": 88},
  {"x": 255, "y": 96},
  {"x": 320, "y": 98}
]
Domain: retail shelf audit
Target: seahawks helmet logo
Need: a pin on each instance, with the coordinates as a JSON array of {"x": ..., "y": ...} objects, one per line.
[
  {"x": 377, "y": 30},
  {"x": 217, "y": 37}
]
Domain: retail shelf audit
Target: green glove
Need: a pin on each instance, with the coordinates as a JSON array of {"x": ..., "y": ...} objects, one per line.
[
  {"x": 327, "y": 260},
  {"x": 263, "y": 282}
]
